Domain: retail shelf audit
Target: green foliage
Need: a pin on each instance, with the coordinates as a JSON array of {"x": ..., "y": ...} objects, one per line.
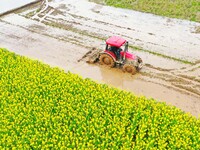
[
  {"x": 184, "y": 9},
  {"x": 43, "y": 107}
]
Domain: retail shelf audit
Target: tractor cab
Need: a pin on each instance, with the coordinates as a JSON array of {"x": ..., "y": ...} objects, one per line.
[
  {"x": 115, "y": 41},
  {"x": 114, "y": 44}
]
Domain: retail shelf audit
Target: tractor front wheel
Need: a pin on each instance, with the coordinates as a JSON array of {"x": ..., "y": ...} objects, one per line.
[
  {"x": 107, "y": 60},
  {"x": 129, "y": 68}
]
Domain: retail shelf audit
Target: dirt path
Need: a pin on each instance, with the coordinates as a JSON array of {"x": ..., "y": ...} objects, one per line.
[{"x": 61, "y": 32}]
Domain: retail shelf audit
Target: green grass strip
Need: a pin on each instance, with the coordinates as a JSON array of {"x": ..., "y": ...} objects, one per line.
[{"x": 183, "y": 9}]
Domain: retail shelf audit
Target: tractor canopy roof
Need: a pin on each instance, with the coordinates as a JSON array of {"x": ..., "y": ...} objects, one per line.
[{"x": 115, "y": 41}]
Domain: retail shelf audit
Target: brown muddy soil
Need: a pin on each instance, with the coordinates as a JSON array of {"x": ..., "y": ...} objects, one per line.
[{"x": 61, "y": 32}]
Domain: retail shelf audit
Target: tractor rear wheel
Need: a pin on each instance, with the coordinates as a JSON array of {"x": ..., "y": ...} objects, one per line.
[
  {"x": 107, "y": 60},
  {"x": 129, "y": 68}
]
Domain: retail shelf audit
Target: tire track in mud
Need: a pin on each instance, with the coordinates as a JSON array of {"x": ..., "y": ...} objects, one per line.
[
  {"x": 40, "y": 28},
  {"x": 176, "y": 81}
]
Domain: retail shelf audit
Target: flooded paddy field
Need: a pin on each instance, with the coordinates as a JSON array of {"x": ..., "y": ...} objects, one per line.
[{"x": 61, "y": 32}]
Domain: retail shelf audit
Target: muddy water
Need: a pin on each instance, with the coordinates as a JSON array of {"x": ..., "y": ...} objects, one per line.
[
  {"x": 37, "y": 46},
  {"x": 139, "y": 86}
]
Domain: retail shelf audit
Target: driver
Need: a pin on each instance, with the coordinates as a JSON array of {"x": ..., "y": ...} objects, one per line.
[{"x": 116, "y": 51}]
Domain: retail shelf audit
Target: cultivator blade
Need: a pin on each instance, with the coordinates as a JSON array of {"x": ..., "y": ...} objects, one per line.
[{"x": 91, "y": 56}]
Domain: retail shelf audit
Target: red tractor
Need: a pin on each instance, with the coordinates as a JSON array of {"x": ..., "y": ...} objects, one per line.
[{"x": 115, "y": 55}]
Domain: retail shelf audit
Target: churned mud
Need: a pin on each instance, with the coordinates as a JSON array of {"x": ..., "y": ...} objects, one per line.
[{"x": 61, "y": 32}]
